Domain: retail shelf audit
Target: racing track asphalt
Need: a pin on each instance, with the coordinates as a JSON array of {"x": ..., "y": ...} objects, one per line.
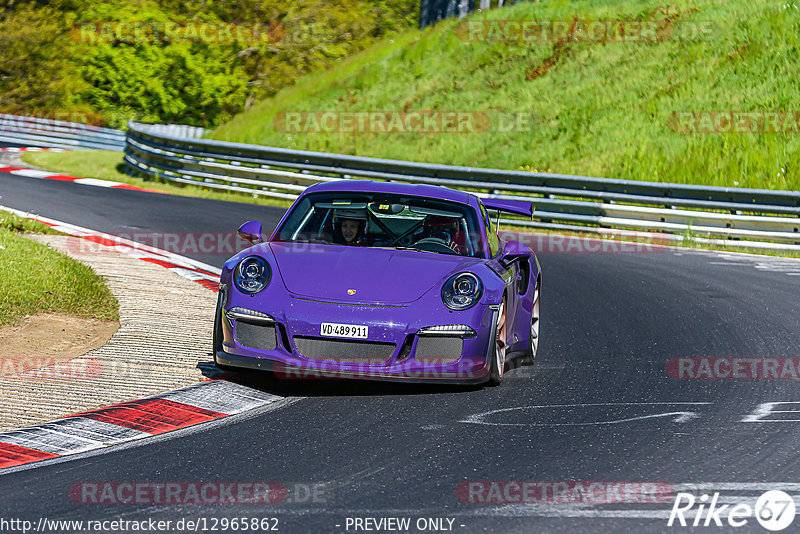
[{"x": 610, "y": 322}]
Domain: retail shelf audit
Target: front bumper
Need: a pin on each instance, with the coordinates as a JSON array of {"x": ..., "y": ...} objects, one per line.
[
  {"x": 282, "y": 370},
  {"x": 288, "y": 341}
]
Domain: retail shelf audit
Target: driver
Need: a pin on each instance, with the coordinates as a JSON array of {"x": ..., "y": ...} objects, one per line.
[
  {"x": 445, "y": 229},
  {"x": 349, "y": 227}
]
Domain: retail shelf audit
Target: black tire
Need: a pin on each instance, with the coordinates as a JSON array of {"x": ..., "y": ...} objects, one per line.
[{"x": 533, "y": 344}]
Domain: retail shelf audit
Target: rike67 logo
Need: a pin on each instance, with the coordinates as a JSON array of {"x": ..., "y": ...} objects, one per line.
[{"x": 774, "y": 510}]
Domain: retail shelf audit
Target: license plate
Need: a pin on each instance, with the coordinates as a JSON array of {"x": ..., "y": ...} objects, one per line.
[{"x": 354, "y": 331}]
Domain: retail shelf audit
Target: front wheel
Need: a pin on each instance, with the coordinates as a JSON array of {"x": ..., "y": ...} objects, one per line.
[
  {"x": 498, "y": 362},
  {"x": 217, "y": 340}
]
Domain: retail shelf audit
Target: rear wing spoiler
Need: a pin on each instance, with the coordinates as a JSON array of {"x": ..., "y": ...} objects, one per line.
[{"x": 518, "y": 207}]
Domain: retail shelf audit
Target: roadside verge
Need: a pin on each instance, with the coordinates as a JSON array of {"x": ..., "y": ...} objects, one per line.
[
  {"x": 159, "y": 356},
  {"x": 164, "y": 333}
]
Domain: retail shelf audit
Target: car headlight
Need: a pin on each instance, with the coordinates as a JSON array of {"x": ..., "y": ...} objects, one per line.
[
  {"x": 252, "y": 275},
  {"x": 462, "y": 291}
]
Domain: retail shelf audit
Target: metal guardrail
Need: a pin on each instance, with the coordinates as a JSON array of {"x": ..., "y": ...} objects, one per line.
[
  {"x": 177, "y": 130},
  {"x": 741, "y": 217},
  {"x": 40, "y": 132},
  {"x": 432, "y": 11}
]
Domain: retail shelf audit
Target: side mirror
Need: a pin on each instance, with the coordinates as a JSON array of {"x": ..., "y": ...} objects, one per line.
[
  {"x": 513, "y": 251},
  {"x": 251, "y": 232}
]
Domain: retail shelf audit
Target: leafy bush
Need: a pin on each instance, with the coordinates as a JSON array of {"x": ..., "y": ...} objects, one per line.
[{"x": 50, "y": 66}]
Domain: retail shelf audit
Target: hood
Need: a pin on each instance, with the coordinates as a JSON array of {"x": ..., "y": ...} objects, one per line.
[{"x": 327, "y": 272}]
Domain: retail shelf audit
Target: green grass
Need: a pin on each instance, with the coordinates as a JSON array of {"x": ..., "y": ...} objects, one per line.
[
  {"x": 597, "y": 109},
  {"x": 15, "y": 223},
  {"x": 35, "y": 278},
  {"x": 107, "y": 165}
]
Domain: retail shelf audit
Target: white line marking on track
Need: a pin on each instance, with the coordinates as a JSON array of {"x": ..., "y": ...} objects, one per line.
[
  {"x": 191, "y": 275},
  {"x": 737, "y": 486},
  {"x": 96, "y": 182},
  {"x": 32, "y": 173},
  {"x": 680, "y": 416},
  {"x": 778, "y": 264}
]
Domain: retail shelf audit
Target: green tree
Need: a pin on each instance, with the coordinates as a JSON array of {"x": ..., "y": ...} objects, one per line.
[
  {"x": 46, "y": 66},
  {"x": 36, "y": 72}
]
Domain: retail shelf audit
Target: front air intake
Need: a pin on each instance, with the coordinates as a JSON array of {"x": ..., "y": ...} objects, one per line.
[
  {"x": 439, "y": 349},
  {"x": 366, "y": 352},
  {"x": 255, "y": 336}
]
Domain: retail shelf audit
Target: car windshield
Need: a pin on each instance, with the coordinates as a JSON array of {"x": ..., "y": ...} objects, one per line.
[{"x": 381, "y": 220}]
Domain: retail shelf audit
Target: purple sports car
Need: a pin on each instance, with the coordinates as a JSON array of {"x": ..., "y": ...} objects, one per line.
[{"x": 381, "y": 281}]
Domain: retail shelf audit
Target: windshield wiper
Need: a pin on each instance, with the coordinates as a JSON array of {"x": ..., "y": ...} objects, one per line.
[
  {"x": 422, "y": 250},
  {"x": 310, "y": 241}
]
